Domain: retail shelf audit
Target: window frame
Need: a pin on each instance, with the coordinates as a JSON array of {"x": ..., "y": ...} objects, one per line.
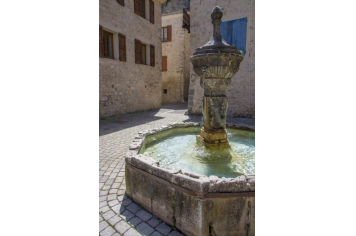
[
  {"x": 122, "y": 47},
  {"x": 169, "y": 33},
  {"x": 105, "y": 45},
  {"x": 166, "y": 58},
  {"x": 121, "y": 2},
  {"x": 143, "y": 54}
]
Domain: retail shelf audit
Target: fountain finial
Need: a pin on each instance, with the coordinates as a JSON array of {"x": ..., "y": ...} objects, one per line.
[{"x": 217, "y": 13}]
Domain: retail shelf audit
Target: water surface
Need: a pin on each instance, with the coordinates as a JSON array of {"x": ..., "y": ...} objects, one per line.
[{"x": 180, "y": 150}]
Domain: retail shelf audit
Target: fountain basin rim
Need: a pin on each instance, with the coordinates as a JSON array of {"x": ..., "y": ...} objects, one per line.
[{"x": 200, "y": 184}]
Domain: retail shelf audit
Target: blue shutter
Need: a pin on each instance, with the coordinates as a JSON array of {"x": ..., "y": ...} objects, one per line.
[{"x": 234, "y": 33}]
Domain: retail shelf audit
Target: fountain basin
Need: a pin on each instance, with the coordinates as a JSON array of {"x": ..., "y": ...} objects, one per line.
[{"x": 194, "y": 204}]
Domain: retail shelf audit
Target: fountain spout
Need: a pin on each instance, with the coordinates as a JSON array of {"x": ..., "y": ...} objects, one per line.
[{"x": 216, "y": 63}]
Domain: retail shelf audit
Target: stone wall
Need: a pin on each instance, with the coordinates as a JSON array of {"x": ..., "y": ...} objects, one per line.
[
  {"x": 176, "y": 78},
  {"x": 126, "y": 86},
  {"x": 241, "y": 93}
]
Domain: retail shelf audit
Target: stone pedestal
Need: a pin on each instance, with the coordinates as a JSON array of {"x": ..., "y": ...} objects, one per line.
[{"x": 215, "y": 62}]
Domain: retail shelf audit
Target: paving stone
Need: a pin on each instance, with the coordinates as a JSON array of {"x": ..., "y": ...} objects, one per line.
[
  {"x": 106, "y": 187},
  {"x": 119, "y": 179},
  {"x": 143, "y": 215},
  {"x": 122, "y": 227},
  {"x": 121, "y": 192},
  {"x": 126, "y": 202},
  {"x": 113, "y": 220},
  {"x": 144, "y": 228},
  {"x": 126, "y": 215},
  {"x": 102, "y": 204},
  {"x": 118, "y": 208},
  {"x": 108, "y": 231},
  {"x": 103, "y": 179},
  {"x": 121, "y": 198},
  {"x": 156, "y": 233},
  {"x": 132, "y": 232},
  {"x": 115, "y": 185},
  {"x": 109, "y": 182},
  {"x": 175, "y": 233},
  {"x": 104, "y": 209},
  {"x": 103, "y": 225},
  {"x": 107, "y": 215},
  {"x": 133, "y": 207},
  {"x": 163, "y": 228},
  {"x": 104, "y": 193},
  {"x": 111, "y": 197},
  {"x": 103, "y": 198},
  {"x": 153, "y": 222},
  {"x": 134, "y": 221},
  {"x": 113, "y": 203}
]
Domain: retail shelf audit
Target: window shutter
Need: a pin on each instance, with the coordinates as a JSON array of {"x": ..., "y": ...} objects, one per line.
[
  {"x": 152, "y": 55},
  {"x": 122, "y": 47},
  {"x": 101, "y": 42},
  {"x": 164, "y": 63},
  {"x": 137, "y": 7},
  {"x": 137, "y": 51},
  {"x": 152, "y": 12},
  {"x": 122, "y": 2},
  {"x": 169, "y": 33}
]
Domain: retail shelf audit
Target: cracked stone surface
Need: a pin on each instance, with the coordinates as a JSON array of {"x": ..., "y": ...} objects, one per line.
[{"x": 118, "y": 214}]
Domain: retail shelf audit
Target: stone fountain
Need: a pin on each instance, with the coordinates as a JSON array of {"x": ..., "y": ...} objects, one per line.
[
  {"x": 216, "y": 63},
  {"x": 199, "y": 190}
]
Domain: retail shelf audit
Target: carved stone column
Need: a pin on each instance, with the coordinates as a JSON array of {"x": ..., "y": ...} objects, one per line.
[{"x": 215, "y": 62}]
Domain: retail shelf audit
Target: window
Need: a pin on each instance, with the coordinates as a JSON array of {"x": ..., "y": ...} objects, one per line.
[
  {"x": 164, "y": 63},
  {"x": 122, "y": 2},
  {"x": 152, "y": 55},
  {"x": 106, "y": 47},
  {"x": 234, "y": 33},
  {"x": 165, "y": 91},
  {"x": 140, "y": 7},
  {"x": 122, "y": 47},
  {"x": 143, "y": 9},
  {"x": 166, "y": 34},
  {"x": 152, "y": 12},
  {"x": 143, "y": 54}
]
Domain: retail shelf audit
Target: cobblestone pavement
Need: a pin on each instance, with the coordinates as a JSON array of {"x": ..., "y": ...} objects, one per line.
[{"x": 119, "y": 215}]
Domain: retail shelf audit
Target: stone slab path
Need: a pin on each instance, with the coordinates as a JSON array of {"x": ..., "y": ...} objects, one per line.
[{"x": 119, "y": 215}]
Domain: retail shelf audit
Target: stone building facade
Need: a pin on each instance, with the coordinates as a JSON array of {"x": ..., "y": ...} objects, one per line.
[
  {"x": 130, "y": 49},
  {"x": 175, "y": 53},
  {"x": 241, "y": 93}
]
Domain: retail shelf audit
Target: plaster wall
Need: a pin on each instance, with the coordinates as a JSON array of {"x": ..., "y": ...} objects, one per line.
[
  {"x": 176, "y": 78},
  {"x": 241, "y": 93},
  {"x": 126, "y": 86}
]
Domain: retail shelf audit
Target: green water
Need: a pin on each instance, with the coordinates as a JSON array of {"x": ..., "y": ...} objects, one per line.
[{"x": 178, "y": 149}]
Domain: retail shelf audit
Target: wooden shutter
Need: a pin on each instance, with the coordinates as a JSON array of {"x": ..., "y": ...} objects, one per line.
[
  {"x": 101, "y": 42},
  {"x": 164, "y": 63},
  {"x": 137, "y": 7},
  {"x": 122, "y": 2},
  {"x": 122, "y": 47},
  {"x": 137, "y": 51},
  {"x": 152, "y": 12},
  {"x": 169, "y": 33},
  {"x": 152, "y": 55}
]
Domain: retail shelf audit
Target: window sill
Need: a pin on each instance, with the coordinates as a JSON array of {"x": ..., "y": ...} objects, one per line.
[{"x": 107, "y": 58}]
